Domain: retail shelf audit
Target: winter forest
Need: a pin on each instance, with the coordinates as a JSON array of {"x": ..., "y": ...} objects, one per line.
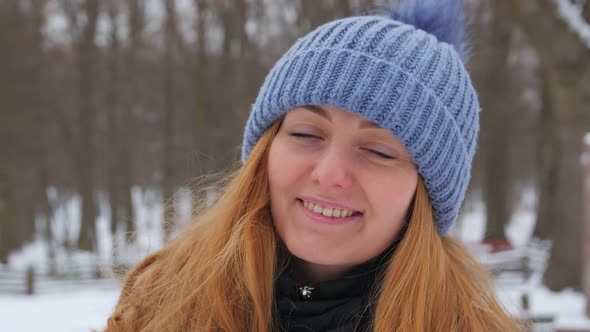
[{"x": 114, "y": 112}]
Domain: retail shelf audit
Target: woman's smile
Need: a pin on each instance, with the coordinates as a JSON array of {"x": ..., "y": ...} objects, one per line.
[{"x": 329, "y": 216}]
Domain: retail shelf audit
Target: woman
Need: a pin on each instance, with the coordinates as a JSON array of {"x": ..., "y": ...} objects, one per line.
[{"x": 356, "y": 158}]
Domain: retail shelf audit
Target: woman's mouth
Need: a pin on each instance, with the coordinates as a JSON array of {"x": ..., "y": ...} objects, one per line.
[{"x": 327, "y": 215}]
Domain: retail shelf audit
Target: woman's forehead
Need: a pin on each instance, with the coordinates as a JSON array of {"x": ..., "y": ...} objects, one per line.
[{"x": 329, "y": 112}]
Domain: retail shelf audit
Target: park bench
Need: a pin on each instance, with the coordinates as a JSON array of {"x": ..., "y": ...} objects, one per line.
[{"x": 520, "y": 269}]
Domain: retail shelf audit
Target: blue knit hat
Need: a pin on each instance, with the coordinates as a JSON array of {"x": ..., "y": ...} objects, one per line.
[{"x": 405, "y": 72}]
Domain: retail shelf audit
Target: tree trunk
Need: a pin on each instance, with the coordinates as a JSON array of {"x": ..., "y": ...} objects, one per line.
[
  {"x": 167, "y": 118},
  {"x": 114, "y": 119},
  {"x": 200, "y": 86},
  {"x": 4, "y": 217},
  {"x": 21, "y": 135},
  {"x": 129, "y": 125},
  {"x": 586, "y": 240},
  {"x": 44, "y": 207},
  {"x": 497, "y": 102},
  {"x": 566, "y": 229},
  {"x": 86, "y": 163},
  {"x": 549, "y": 156}
]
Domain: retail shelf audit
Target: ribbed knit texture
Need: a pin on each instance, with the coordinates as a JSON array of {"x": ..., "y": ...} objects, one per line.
[{"x": 394, "y": 74}]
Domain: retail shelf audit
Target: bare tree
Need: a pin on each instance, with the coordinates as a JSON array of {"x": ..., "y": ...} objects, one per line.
[
  {"x": 565, "y": 71},
  {"x": 113, "y": 112},
  {"x": 84, "y": 39},
  {"x": 128, "y": 126},
  {"x": 493, "y": 77},
  {"x": 200, "y": 77},
  {"x": 5, "y": 215},
  {"x": 172, "y": 46},
  {"x": 22, "y": 135},
  {"x": 38, "y": 19}
]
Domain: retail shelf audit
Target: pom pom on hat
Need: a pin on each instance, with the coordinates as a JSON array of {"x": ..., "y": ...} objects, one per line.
[{"x": 445, "y": 19}]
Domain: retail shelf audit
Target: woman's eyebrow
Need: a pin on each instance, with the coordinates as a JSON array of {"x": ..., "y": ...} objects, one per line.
[
  {"x": 369, "y": 124},
  {"x": 323, "y": 113},
  {"x": 317, "y": 110}
]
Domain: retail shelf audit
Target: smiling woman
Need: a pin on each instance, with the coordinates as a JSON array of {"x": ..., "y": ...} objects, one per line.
[
  {"x": 356, "y": 158},
  {"x": 325, "y": 160}
]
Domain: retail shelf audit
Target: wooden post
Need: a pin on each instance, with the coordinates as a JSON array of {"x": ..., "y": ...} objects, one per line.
[
  {"x": 30, "y": 281},
  {"x": 586, "y": 240},
  {"x": 524, "y": 297}
]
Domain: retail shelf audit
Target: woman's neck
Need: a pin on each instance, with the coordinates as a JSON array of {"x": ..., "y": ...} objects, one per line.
[{"x": 314, "y": 273}]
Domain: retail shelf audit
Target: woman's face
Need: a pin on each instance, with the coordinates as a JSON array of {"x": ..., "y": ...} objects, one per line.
[{"x": 358, "y": 176}]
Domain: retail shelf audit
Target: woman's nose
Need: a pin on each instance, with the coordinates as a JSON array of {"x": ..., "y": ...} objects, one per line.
[{"x": 333, "y": 170}]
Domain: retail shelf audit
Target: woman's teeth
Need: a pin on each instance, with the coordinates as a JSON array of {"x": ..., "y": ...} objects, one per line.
[{"x": 328, "y": 212}]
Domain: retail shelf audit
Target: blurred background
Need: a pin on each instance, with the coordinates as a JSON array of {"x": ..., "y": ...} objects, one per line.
[{"x": 110, "y": 109}]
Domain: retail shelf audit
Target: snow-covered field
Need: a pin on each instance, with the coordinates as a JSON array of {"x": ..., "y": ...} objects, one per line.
[
  {"x": 86, "y": 308},
  {"x": 567, "y": 307},
  {"x": 82, "y": 310}
]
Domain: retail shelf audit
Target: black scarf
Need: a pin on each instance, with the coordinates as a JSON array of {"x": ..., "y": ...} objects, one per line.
[{"x": 340, "y": 305}]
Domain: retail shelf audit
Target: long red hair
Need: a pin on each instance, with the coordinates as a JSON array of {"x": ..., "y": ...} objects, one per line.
[{"x": 217, "y": 275}]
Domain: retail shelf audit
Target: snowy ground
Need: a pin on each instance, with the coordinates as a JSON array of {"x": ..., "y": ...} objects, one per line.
[
  {"x": 86, "y": 308},
  {"x": 567, "y": 307},
  {"x": 75, "y": 311}
]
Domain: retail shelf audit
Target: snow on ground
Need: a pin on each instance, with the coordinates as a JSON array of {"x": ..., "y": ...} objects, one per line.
[
  {"x": 68, "y": 311},
  {"x": 567, "y": 307}
]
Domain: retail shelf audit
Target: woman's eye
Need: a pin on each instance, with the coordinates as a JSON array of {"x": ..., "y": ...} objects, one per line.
[
  {"x": 303, "y": 135},
  {"x": 380, "y": 154}
]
